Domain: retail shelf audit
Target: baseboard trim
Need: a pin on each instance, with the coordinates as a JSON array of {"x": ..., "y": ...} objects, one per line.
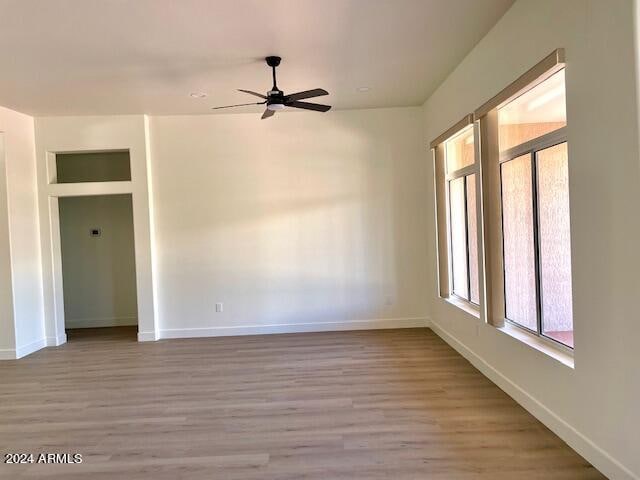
[
  {"x": 7, "y": 354},
  {"x": 25, "y": 350},
  {"x": 22, "y": 351},
  {"x": 56, "y": 341},
  {"x": 100, "y": 322},
  {"x": 594, "y": 454},
  {"x": 147, "y": 336},
  {"x": 293, "y": 328}
]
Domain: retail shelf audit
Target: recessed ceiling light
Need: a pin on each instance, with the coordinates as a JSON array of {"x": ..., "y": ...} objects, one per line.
[
  {"x": 197, "y": 95},
  {"x": 363, "y": 89}
]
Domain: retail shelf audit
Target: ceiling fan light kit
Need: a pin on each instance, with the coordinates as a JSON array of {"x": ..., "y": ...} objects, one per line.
[{"x": 275, "y": 99}]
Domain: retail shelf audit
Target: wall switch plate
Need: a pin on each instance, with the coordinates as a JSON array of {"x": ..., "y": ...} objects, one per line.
[{"x": 219, "y": 307}]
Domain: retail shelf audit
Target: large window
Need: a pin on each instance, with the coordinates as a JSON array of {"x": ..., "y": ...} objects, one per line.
[
  {"x": 535, "y": 210},
  {"x": 521, "y": 180},
  {"x": 456, "y": 168},
  {"x": 525, "y": 175}
]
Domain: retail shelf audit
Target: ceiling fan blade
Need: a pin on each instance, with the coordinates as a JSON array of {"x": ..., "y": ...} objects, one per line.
[
  {"x": 309, "y": 106},
  {"x": 252, "y": 93},
  {"x": 267, "y": 113},
  {"x": 238, "y": 105},
  {"x": 316, "y": 92}
]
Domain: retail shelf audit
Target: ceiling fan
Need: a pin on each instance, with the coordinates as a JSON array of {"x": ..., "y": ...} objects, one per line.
[{"x": 276, "y": 100}]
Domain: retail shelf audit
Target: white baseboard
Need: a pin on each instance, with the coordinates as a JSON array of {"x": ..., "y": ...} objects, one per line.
[
  {"x": 56, "y": 341},
  {"x": 147, "y": 336},
  {"x": 22, "y": 351},
  {"x": 7, "y": 354},
  {"x": 25, "y": 350},
  {"x": 100, "y": 322},
  {"x": 597, "y": 456},
  {"x": 293, "y": 328}
]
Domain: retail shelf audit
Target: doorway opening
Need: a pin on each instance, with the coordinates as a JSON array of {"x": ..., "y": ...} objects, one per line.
[{"x": 98, "y": 266}]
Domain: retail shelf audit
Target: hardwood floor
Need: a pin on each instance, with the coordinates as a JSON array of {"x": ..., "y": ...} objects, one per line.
[{"x": 386, "y": 404}]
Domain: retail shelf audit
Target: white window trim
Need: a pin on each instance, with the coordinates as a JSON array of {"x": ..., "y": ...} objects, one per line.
[
  {"x": 459, "y": 302},
  {"x": 550, "y": 348}
]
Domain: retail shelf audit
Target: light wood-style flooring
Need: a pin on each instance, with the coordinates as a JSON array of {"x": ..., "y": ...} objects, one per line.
[{"x": 386, "y": 404}]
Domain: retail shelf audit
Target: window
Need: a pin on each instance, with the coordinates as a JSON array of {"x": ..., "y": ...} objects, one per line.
[
  {"x": 535, "y": 211},
  {"x": 456, "y": 168},
  {"x": 525, "y": 161}
]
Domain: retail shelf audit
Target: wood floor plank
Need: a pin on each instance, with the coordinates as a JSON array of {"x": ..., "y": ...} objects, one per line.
[{"x": 385, "y": 404}]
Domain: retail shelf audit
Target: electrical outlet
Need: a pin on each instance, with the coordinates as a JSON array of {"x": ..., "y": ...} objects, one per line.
[{"x": 219, "y": 307}]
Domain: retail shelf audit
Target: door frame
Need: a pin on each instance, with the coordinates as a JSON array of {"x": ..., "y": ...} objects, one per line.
[{"x": 57, "y": 246}]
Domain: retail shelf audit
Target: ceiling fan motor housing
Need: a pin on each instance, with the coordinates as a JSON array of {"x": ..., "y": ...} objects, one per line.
[
  {"x": 275, "y": 96},
  {"x": 275, "y": 100}
]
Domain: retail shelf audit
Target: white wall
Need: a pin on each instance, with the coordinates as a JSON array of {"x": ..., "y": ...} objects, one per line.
[
  {"x": 7, "y": 325},
  {"x": 21, "y": 305},
  {"x": 317, "y": 222},
  {"x": 594, "y": 406},
  {"x": 305, "y": 221},
  {"x": 99, "y": 273}
]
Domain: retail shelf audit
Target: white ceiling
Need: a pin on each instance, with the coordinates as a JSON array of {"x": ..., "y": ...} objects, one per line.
[{"x": 85, "y": 57}]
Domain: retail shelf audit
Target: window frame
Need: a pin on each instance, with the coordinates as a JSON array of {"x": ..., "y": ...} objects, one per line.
[
  {"x": 491, "y": 160},
  {"x": 442, "y": 181}
]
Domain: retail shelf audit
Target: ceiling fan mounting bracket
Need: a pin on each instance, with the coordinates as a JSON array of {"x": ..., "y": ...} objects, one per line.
[{"x": 273, "y": 61}]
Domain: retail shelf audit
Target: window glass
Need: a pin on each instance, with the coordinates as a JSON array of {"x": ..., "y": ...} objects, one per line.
[
  {"x": 534, "y": 113},
  {"x": 472, "y": 227},
  {"x": 459, "y": 150},
  {"x": 458, "y": 237},
  {"x": 555, "y": 243},
  {"x": 519, "y": 248}
]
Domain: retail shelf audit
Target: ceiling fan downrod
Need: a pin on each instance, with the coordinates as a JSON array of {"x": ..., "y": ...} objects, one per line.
[{"x": 273, "y": 62}]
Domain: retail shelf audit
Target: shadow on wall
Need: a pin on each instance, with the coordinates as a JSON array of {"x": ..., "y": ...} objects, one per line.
[{"x": 323, "y": 225}]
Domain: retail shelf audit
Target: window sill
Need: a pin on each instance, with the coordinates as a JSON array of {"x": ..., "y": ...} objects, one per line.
[
  {"x": 463, "y": 305},
  {"x": 546, "y": 347}
]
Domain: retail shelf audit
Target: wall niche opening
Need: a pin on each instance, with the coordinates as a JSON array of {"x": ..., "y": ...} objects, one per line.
[{"x": 82, "y": 167}]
